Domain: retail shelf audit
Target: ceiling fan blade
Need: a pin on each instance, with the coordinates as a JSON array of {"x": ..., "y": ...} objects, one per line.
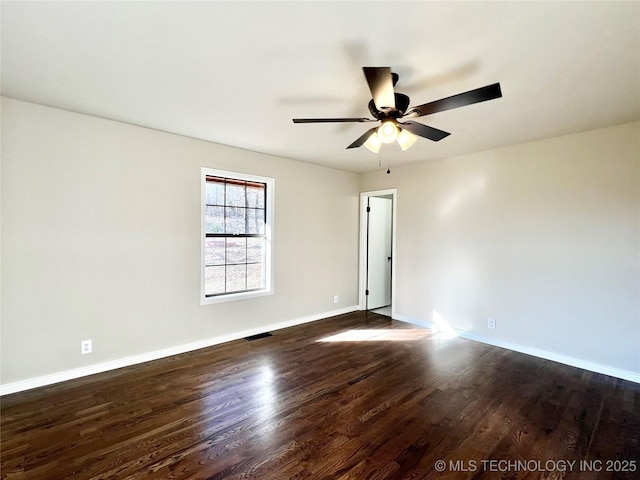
[
  {"x": 424, "y": 131},
  {"x": 360, "y": 141},
  {"x": 381, "y": 85},
  {"x": 332, "y": 120},
  {"x": 481, "y": 94}
]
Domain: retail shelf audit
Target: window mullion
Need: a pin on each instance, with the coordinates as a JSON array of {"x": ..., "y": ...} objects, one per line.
[
  {"x": 225, "y": 214},
  {"x": 235, "y": 235},
  {"x": 246, "y": 210}
]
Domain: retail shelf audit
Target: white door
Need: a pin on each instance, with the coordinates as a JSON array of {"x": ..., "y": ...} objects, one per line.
[{"x": 379, "y": 252}]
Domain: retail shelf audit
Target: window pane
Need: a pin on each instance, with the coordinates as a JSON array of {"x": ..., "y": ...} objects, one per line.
[
  {"x": 236, "y": 234},
  {"x": 214, "y": 280},
  {"x": 214, "y": 251},
  {"x": 214, "y": 193},
  {"x": 255, "y": 250},
  {"x": 235, "y": 220},
  {"x": 235, "y": 195},
  {"x": 236, "y": 250},
  {"x": 214, "y": 221},
  {"x": 236, "y": 278},
  {"x": 255, "y": 196},
  {"x": 255, "y": 276},
  {"x": 255, "y": 221}
]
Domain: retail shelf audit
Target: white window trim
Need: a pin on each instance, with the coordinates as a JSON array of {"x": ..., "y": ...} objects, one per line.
[{"x": 269, "y": 205}]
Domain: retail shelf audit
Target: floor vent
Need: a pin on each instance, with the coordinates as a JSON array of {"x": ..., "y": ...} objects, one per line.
[{"x": 258, "y": 336}]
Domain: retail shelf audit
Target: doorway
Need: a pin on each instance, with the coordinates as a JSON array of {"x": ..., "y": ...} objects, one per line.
[{"x": 377, "y": 251}]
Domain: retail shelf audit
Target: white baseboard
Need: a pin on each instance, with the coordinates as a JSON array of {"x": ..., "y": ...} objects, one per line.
[
  {"x": 52, "y": 378},
  {"x": 536, "y": 352}
]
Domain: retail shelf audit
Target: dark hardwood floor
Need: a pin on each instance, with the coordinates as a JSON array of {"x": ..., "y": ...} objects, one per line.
[{"x": 387, "y": 403}]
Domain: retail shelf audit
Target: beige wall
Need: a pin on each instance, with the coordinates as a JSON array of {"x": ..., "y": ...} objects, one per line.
[
  {"x": 543, "y": 236},
  {"x": 101, "y": 240},
  {"x": 101, "y": 224}
]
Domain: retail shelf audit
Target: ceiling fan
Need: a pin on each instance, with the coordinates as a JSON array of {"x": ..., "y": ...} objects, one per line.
[{"x": 388, "y": 107}]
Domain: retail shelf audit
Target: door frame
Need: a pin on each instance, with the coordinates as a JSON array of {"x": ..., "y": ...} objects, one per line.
[{"x": 362, "y": 278}]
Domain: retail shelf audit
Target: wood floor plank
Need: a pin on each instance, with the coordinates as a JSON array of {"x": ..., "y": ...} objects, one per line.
[{"x": 357, "y": 396}]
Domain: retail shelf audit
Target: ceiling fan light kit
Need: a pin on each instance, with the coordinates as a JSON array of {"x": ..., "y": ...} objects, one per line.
[
  {"x": 387, "y": 107},
  {"x": 373, "y": 143},
  {"x": 406, "y": 140},
  {"x": 388, "y": 131}
]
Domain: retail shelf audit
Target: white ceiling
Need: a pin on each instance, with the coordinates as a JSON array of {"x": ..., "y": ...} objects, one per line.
[{"x": 236, "y": 73}]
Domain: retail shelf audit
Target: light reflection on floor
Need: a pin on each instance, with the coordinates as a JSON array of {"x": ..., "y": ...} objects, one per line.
[
  {"x": 440, "y": 330},
  {"x": 377, "y": 335},
  {"x": 265, "y": 396}
]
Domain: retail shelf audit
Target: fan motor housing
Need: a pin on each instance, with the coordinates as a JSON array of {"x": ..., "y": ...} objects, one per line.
[{"x": 402, "y": 103}]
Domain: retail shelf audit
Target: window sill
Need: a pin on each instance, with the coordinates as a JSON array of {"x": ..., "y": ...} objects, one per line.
[{"x": 230, "y": 297}]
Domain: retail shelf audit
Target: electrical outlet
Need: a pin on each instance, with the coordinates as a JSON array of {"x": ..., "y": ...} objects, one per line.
[
  {"x": 491, "y": 323},
  {"x": 85, "y": 347},
  {"x": 336, "y": 299}
]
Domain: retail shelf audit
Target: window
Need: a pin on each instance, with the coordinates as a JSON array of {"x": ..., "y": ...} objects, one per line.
[{"x": 236, "y": 235}]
